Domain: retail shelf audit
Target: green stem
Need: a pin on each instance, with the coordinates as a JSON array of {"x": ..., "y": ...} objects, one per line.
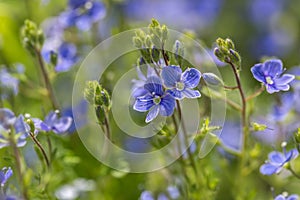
[
  {"x": 18, "y": 165},
  {"x": 41, "y": 148},
  {"x": 230, "y": 87},
  {"x": 193, "y": 164},
  {"x": 49, "y": 148},
  {"x": 244, "y": 107},
  {"x": 255, "y": 94},
  {"x": 293, "y": 172},
  {"x": 47, "y": 80}
]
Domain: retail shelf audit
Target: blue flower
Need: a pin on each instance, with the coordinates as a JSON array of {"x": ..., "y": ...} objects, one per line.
[
  {"x": 53, "y": 123},
  {"x": 66, "y": 54},
  {"x": 270, "y": 73},
  {"x": 181, "y": 84},
  {"x": 291, "y": 197},
  {"x": 82, "y": 14},
  {"x": 277, "y": 160},
  {"x": 5, "y": 174},
  {"x": 9, "y": 121},
  {"x": 146, "y": 195},
  {"x": 138, "y": 85},
  {"x": 155, "y": 100},
  {"x": 8, "y": 84}
]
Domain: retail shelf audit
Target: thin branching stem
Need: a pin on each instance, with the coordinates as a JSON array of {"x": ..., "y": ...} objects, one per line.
[{"x": 41, "y": 148}]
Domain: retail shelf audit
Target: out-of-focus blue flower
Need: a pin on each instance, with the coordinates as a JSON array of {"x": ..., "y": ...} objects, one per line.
[
  {"x": 82, "y": 14},
  {"x": 8, "y": 84},
  {"x": 8, "y": 121},
  {"x": 173, "y": 192},
  {"x": 162, "y": 197},
  {"x": 53, "y": 123},
  {"x": 270, "y": 73},
  {"x": 231, "y": 136},
  {"x": 138, "y": 85},
  {"x": 284, "y": 105},
  {"x": 277, "y": 160},
  {"x": 263, "y": 11},
  {"x": 5, "y": 174},
  {"x": 181, "y": 84},
  {"x": 146, "y": 195},
  {"x": 291, "y": 197},
  {"x": 155, "y": 100},
  {"x": 196, "y": 14},
  {"x": 66, "y": 54},
  {"x": 278, "y": 42},
  {"x": 79, "y": 112}
]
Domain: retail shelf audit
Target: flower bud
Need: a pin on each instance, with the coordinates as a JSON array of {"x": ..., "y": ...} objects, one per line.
[
  {"x": 212, "y": 79},
  {"x": 164, "y": 31},
  {"x": 137, "y": 42},
  {"x": 229, "y": 43},
  {"x": 297, "y": 136},
  {"x": 148, "y": 41},
  {"x": 155, "y": 54}
]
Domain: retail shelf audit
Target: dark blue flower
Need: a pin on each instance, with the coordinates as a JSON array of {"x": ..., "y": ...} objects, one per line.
[
  {"x": 277, "y": 160},
  {"x": 66, "y": 54},
  {"x": 291, "y": 197},
  {"x": 5, "y": 174},
  {"x": 156, "y": 101},
  {"x": 181, "y": 84},
  {"x": 53, "y": 123},
  {"x": 8, "y": 123},
  {"x": 8, "y": 84},
  {"x": 270, "y": 73},
  {"x": 82, "y": 14}
]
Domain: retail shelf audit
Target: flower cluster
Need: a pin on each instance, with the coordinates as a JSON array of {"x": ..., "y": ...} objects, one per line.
[{"x": 159, "y": 92}]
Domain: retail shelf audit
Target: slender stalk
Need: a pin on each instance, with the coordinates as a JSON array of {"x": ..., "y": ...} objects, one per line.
[
  {"x": 185, "y": 139},
  {"x": 46, "y": 80},
  {"x": 230, "y": 87},
  {"x": 106, "y": 121},
  {"x": 49, "y": 148},
  {"x": 293, "y": 172},
  {"x": 18, "y": 165},
  {"x": 255, "y": 94},
  {"x": 41, "y": 148}
]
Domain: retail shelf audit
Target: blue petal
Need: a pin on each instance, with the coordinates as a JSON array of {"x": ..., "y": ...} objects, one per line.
[
  {"x": 167, "y": 105},
  {"x": 276, "y": 157},
  {"x": 62, "y": 124},
  {"x": 138, "y": 92},
  {"x": 292, "y": 154},
  {"x": 271, "y": 89},
  {"x": 20, "y": 126},
  {"x": 40, "y": 125},
  {"x": 269, "y": 169},
  {"x": 97, "y": 11},
  {"x": 171, "y": 75},
  {"x": 191, "y": 77},
  {"x": 280, "y": 197},
  {"x": 50, "y": 118},
  {"x": 152, "y": 114},
  {"x": 272, "y": 68},
  {"x": 293, "y": 197},
  {"x": 7, "y": 118},
  {"x": 257, "y": 71},
  {"x": 285, "y": 79},
  {"x": 175, "y": 93},
  {"x": 154, "y": 85},
  {"x": 189, "y": 93},
  {"x": 143, "y": 104},
  {"x": 84, "y": 23},
  {"x": 140, "y": 74},
  {"x": 283, "y": 87}
]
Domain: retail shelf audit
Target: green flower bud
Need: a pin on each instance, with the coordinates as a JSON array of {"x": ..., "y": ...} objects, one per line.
[
  {"x": 219, "y": 54},
  {"x": 165, "y": 32},
  {"x": 146, "y": 54},
  {"x": 53, "y": 58},
  {"x": 235, "y": 56},
  {"x": 297, "y": 136},
  {"x": 31, "y": 125},
  {"x": 229, "y": 43},
  {"x": 258, "y": 127},
  {"x": 137, "y": 42},
  {"x": 148, "y": 41}
]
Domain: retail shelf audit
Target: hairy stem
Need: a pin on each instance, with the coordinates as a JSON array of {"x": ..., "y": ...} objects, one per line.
[
  {"x": 41, "y": 148},
  {"x": 46, "y": 80},
  {"x": 255, "y": 94}
]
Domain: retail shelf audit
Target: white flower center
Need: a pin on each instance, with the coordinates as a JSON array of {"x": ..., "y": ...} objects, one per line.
[
  {"x": 179, "y": 86},
  {"x": 269, "y": 80}
]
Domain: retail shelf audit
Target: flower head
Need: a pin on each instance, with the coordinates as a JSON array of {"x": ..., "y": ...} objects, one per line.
[
  {"x": 181, "y": 84},
  {"x": 277, "y": 160},
  {"x": 138, "y": 85},
  {"x": 270, "y": 73},
  {"x": 156, "y": 100},
  {"x": 53, "y": 123},
  {"x": 9, "y": 122},
  {"x": 82, "y": 14},
  {"x": 283, "y": 197},
  {"x": 5, "y": 174}
]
